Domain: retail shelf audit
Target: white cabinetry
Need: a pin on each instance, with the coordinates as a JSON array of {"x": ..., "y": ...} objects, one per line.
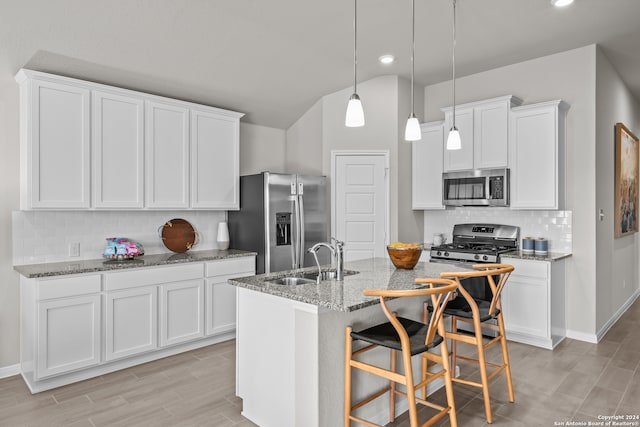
[
  {"x": 55, "y": 144},
  {"x": 426, "y": 157},
  {"x": 215, "y": 165},
  {"x": 118, "y": 147},
  {"x": 167, "y": 155},
  {"x": 148, "y": 151},
  {"x": 181, "y": 311},
  {"x": 62, "y": 333},
  {"x": 534, "y": 302},
  {"x": 80, "y": 326},
  {"x": 131, "y": 322},
  {"x": 220, "y": 296},
  {"x": 483, "y": 128},
  {"x": 536, "y": 155}
]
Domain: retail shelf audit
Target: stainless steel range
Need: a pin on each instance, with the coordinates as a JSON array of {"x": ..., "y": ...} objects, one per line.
[{"x": 477, "y": 243}]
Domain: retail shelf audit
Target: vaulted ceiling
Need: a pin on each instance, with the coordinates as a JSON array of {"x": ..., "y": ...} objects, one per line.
[{"x": 272, "y": 59}]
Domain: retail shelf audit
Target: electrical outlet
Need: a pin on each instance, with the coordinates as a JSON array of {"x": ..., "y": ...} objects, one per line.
[{"x": 74, "y": 249}]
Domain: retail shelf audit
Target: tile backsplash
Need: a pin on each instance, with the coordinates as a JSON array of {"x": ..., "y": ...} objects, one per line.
[
  {"x": 45, "y": 236},
  {"x": 555, "y": 226}
]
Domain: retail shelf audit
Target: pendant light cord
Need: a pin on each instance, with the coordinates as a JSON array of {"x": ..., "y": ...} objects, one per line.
[
  {"x": 355, "y": 32},
  {"x": 454, "y": 64},
  {"x": 413, "y": 47}
]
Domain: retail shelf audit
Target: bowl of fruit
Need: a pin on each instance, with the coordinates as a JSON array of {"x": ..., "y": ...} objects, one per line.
[{"x": 405, "y": 255}]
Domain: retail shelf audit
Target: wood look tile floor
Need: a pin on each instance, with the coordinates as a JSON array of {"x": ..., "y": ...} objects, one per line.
[{"x": 577, "y": 381}]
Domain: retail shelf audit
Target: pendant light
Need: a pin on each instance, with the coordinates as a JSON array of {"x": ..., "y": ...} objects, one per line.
[
  {"x": 355, "y": 114},
  {"x": 412, "y": 131},
  {"x": 453, "y": 140}
]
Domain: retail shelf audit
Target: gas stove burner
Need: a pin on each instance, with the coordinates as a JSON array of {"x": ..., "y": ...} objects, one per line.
[{"x": 477, "y": 243}]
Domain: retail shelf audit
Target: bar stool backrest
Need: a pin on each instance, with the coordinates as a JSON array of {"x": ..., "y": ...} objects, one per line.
[
  {"x": 440, "y": 295},
  {"x": 490, "y": 271}
]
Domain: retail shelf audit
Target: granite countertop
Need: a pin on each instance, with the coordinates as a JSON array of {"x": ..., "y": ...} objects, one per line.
[
  {"x": 375, "y": 273},
  {"x": 96, "y": 265},
  {"x": 551, "y": 256}
]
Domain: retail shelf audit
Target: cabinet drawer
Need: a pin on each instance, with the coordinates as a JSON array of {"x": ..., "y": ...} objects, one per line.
[
  {"x": 230, "y": 266},
  {"x": 68, "y": 286},
  {"x": 152, "y": 276},
  {"x": 524, "y": 268}
]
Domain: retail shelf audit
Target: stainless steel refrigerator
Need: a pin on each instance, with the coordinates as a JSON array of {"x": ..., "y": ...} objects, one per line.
[{"x": 280, "y": 217}]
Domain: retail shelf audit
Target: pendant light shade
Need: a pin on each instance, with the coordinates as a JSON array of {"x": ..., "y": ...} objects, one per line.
[
  {"x": 355, "y": 113},
  {"x": 412, "y": 131},
  {"x": 453, "y": 140}
]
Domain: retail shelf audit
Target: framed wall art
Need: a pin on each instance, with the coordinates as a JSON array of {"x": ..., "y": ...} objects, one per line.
[{"x": 626, "y": 182}]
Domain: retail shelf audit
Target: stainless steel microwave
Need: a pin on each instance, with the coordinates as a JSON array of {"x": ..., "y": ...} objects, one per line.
[{"x": 480, "y": 187}]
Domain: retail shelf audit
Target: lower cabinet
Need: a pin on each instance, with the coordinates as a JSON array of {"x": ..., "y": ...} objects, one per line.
[
  {"x": 131, "y": 325},
  {"x": 68, "y": 334},
  {"x": 533, "y": 301},
  {"x": 80, "y": 326},
  {"x": 181, "y": 312}
]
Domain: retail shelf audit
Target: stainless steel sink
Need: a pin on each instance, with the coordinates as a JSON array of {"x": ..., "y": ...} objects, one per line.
[
  {"x": 327, "y": 274},
  {"x": 289, "y": 281},
  {"x": 309, "y": 278}
]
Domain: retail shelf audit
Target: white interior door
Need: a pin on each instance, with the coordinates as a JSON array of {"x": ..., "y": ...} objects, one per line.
[{"x": 360, "y": 203}]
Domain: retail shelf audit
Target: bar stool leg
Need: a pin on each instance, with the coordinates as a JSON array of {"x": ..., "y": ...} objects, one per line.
[
  {"x": 411, "y": 391},
  {"x": 483, "y": 370},
  {"x": 392, "y": 385},
  {"x": 505, "y": 359},
  {"x": 448, "y": 383},
  {"x": 347, "y": 376}
]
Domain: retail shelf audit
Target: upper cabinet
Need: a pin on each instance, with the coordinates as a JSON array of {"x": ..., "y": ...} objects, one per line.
[
  {"x": 118, "y": 147},
  {"x": 536, "y": 144},
  {"x": 55, "y": 144},
  {"x": 91, "y": 146},
  {"x": 426, "y": 155},
  {"x": 167, "y": 155},
  {"x": 484, "y": 130}
]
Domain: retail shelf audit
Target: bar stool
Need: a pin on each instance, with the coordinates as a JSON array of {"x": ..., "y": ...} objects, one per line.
[
  {"x": 477, "y": 312},
  {"x": 410, "y": 338}
]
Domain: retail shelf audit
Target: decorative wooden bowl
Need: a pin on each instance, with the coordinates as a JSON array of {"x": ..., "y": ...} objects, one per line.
[
  {"x": 405, "y": 257},
  {"x": 178, "y": 235}
]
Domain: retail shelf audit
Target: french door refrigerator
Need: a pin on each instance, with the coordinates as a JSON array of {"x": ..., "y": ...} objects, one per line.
[{"x": 280, "y": 217}]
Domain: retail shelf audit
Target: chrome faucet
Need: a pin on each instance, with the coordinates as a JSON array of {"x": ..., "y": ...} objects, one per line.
[{"x": 337, "y": 252}]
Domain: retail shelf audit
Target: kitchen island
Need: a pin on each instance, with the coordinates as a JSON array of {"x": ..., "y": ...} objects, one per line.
[{"x": 290, "y": 341}]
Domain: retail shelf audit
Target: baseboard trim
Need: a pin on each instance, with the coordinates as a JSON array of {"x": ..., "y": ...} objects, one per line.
[
  {"x": 617, "y": 315},
  {"x": 582, "y": 336},
  {"x": 9, "y": 371}
]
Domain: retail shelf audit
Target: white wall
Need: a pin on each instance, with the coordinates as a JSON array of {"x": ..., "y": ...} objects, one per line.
[
  {"x": 569, "y": 76},
  {"x": 617, "y": 270},
  {"x": 262, "y": 149},
  {"x": 304, "y": 143}
]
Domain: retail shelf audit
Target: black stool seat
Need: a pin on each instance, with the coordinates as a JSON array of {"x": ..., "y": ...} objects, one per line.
[
  {"x": 461, "y": 308},
  {"x": 386, "y": 335}
]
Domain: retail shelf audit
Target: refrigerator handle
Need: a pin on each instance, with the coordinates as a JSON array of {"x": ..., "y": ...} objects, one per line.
[
  {"x": 301, "y": 228},
  {"x": 295, "y": 244}
]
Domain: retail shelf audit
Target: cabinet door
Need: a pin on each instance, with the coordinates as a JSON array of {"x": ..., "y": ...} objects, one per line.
[
  {"x": 426, "y": 160},
  {"x": 131, "y": 324},
  {"x": 57, "y": 153},
  {"x": 221, "y": 306},
  {"x": 455, "y": 160},
  {"x": 525, "y": 299},
  {"x": 215, "y": 173},
  {"x": 533, "y": 157},
  {"x": 167, "y": 155},
  {"x": 118, "y": 131},
  {"x": 491, "y": 135},
  {"x": 68, "y": 335},
  {"x": 181, "y": 312}
]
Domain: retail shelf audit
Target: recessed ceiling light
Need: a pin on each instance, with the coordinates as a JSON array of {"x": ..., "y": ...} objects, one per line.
[
  {"x": 386, "y": 59},
  {"x": 561, "y": 3}
]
